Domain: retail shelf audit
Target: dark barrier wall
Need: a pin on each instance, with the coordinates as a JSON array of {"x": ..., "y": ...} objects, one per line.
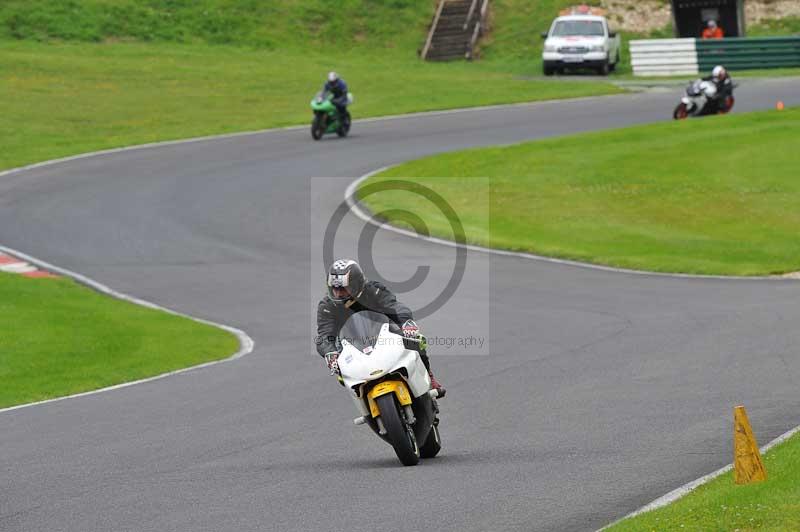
[
  {"x": 691, "y": 16},
  {"x": 743, "y": 54}
]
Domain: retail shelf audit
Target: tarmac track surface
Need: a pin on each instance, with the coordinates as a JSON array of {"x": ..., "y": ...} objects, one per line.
[{"x": 595, "y": 393}]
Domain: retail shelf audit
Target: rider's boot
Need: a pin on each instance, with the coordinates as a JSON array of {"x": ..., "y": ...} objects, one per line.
[
  {"x": 435, "y": 385},
  {"x": 341, "y": 114}
]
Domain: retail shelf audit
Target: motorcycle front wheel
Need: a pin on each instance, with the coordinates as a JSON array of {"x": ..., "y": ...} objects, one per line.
[
  {"x": 680, "y": 112},
  {"x": 399, "y": 434},
  {"x": 317, "y": 127}
]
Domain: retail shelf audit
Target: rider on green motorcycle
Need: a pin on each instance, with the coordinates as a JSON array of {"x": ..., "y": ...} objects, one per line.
[{"x": 336, "y": 86}]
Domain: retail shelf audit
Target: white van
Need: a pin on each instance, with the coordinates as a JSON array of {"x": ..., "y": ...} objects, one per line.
[{"x": 580, "y": 41}]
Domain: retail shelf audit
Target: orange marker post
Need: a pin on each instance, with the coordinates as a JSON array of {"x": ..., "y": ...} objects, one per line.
[{"x": 747, "y": 464}]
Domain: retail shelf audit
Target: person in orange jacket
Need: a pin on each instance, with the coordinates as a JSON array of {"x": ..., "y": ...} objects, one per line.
[{"x": 713, "y": 31}]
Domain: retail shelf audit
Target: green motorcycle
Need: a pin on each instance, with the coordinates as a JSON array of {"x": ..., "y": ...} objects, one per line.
[{"x": 326, "y": 117}]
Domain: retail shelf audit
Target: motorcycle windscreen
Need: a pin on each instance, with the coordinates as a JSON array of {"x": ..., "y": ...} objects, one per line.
[{"x": 363, "y": 328}]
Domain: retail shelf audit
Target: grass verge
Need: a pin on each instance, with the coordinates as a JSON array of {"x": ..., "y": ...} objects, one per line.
[
  {"x": 773, "y": 505},
  {"x": 705, "y": 207},
  {"x": 59, "y": 338},
  {"x": 59, "y": 100},
  {"x": 78, "y": 76}
]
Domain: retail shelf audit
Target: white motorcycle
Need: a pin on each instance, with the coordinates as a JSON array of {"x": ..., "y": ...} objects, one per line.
[
  {"x": 390, "y": 385},
  {"x": 700, "y": 100}
]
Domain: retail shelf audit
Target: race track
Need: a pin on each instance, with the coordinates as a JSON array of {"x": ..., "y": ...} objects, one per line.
[{"x": 596, "y": 392}]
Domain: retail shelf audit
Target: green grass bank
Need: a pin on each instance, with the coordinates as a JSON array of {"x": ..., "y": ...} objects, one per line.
[
  {"x": 729, "y": 209},
  {"x": 69, "y": 98},
  {"x": 85, "y": 75},
  {"x": 772, "y": 506},
  {"x": 77, "y": 76},
  {"x": 60, "y": 338},
  {"x": 82, "y": 75}
]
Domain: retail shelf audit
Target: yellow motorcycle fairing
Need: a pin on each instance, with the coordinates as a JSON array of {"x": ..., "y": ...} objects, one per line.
[{"x": 398, "y": 388}]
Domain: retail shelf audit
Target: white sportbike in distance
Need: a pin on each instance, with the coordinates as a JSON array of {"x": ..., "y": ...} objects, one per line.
[
  {"x": 390, "y": 386},
  {"x": 700, "y": 99}
]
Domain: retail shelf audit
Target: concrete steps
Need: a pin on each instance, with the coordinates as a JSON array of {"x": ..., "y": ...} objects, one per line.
[{"x": 450, "y": 39}]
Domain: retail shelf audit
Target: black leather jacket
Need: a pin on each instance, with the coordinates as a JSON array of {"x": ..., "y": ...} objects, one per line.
[
  {"x": 724, "y": 87},
  {"x": 331, "y": 317}
]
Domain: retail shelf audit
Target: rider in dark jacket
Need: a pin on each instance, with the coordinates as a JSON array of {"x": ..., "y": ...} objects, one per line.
[
  {"x": 724, "y": 84},
  {"x": 349, "y": 292},
  {"x": 336, "y": 86}
]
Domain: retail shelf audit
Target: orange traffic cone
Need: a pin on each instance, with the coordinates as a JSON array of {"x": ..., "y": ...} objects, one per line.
[{"x": 747, "y": 464}]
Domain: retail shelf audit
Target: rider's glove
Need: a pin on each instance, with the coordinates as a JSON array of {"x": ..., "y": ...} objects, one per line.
[
  {"x": 332, "y": 359},
  {"x": 410, "y": 329}
]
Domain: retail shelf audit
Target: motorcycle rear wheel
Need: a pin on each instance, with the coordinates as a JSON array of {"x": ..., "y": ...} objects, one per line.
[
  {"x": 399, "y": 434},
  {"x": 727, "y": 105},
  {"x": 680, "y": 112},
  {"x": 317, "y": 127},
  {"x": 344, "y": 128}
]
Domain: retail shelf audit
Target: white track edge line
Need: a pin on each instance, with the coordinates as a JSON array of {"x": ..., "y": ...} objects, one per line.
[
  {"x": 673, "y": 495},
  {"x": 243, "y": 338},
  {"x": 246, "y": 344},
  {"x": 364, "y": 215},
  {"x": 224, "y": 136},
  {"x": 421, "y": 114},
  {"x": 677, "y": 493}
]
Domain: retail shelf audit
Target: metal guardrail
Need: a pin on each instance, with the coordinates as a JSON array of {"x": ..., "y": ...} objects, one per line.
[
  {"x": 749, "y": 53},
  {"x": 664, "y": 57},
  {"x": 690, "y": 56}
]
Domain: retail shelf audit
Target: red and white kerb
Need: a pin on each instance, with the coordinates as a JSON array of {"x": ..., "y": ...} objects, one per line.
[{"x": 11, "y": 264}]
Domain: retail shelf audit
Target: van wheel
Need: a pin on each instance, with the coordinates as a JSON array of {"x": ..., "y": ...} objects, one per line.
[{"x": 613, "y": 67}]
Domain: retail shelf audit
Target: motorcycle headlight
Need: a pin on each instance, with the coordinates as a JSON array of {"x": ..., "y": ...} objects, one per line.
[{"x": 597, "y": 48}]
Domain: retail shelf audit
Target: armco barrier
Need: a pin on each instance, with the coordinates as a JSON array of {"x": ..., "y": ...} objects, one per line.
[
  {"x": 663, "y": 57},
  {"x": 745, "y": 53}
]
